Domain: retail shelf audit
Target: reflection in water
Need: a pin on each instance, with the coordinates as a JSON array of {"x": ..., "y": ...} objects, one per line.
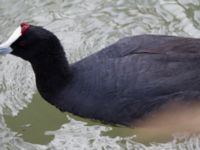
[
  {"x": 32, "y": 122},
  {"x": 84, "y": 26},
  {"x": 16, "y": 85}
]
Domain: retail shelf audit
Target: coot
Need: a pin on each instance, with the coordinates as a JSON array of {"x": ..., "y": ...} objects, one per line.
[{"x": 119, "y": 84}]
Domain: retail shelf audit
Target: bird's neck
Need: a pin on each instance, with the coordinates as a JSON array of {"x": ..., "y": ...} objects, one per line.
[{"x": 52, "y": 75}]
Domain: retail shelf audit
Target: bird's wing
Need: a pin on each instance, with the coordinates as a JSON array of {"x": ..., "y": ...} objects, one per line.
[{"x": 151, "y": 44}]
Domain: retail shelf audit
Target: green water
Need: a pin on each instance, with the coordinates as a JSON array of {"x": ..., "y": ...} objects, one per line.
[
  {"x": 35, "y": 119},
  {"x": 84, "y": 27}
]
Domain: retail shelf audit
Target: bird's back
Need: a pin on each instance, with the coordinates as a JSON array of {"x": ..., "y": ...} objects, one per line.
[{"x": 134, "y": 76}]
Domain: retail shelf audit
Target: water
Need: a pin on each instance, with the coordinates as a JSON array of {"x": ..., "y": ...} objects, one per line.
[{"x": 83, "y": 26}]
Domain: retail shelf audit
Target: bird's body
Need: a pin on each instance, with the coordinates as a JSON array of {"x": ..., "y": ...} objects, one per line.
[{"x": 124, "y": 81}]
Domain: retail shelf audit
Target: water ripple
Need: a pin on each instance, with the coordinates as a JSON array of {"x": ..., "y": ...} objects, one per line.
[{"x": 84, "y": 27}]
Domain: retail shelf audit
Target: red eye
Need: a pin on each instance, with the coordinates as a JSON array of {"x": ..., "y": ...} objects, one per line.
[{"x": 22, "y": 43}]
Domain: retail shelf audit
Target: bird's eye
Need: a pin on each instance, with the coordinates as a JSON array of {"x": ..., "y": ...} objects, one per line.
[{"x": 22, "y": 43}]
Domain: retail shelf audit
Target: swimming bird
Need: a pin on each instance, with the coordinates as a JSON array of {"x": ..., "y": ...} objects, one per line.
[{"x": 119, "y": 84}]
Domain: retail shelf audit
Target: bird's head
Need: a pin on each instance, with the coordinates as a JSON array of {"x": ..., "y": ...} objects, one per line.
[{"x": 29, "y": 42}]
